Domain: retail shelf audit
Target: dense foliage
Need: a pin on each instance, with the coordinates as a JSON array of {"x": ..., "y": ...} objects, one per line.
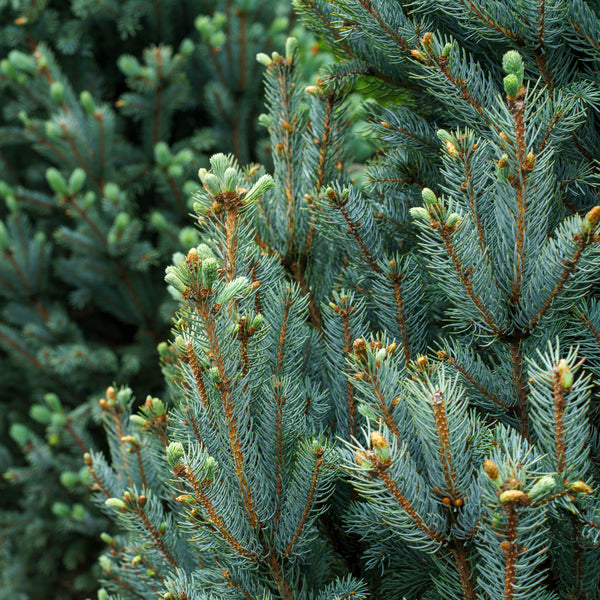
[{"x": 108, "y": 110}]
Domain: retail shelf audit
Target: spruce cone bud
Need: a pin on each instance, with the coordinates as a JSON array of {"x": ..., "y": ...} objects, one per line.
[
  {"x": 429, "y": 197},
  {"x": 362, "y": 461},
  {"x": 512, "y": 63},
  {"x": 511, "y": 86},
  {"x": 418, "y": 212},
  {"x": 491, "y": 469},
  {"x": 451, "y": 148},
  {"x": 541, "y": 487},
  {"x": 530, "y": 161},
  {"x": 565, "y": 374},
  {"x": 427, "y": 40},
  {"x": 115, "y": 503},
  {"x": 580, "y": 487},
  {"x": 175, "y": 453},
  {"x": 453, "y": 220},
  {"x": 418, "y": 55},
  {"x": 446, "y": 50},
  {"x": 359, "y": 346},
  {"x": 381, "y": 446},
  {"x": 514, "y": 497},
  {"x": 591, "y": 219}
]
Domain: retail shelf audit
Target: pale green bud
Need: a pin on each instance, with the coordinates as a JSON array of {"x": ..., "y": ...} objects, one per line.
[
  {"x": 78, "y": 512},
  {"x": 175, "y": 453},
  {"x": 429, "y": 197},
  {"x": 263, "y": 185},
  {"x": 112, "y": 191},
  {"x": 264, "y": 59},
  {"x": 257, "y": 322},
  {"x": 60, "y": 509},
  {"x": 40, "y": 413},
  {"x": 452, "y": 220},
  {"x": 162, "y": 154},
  {"x": 19, "y": 433},
  {"x": 102, "y": 594},
  {"x": 290, "y": 45},
  {"x": 76, "y": 180},
  {"x": 174, "y": 170},
  {"x": 446, "y": 50},
  {"x": 87, "y": 101},
  {"x": 115, "y": 503},
  {"x": 138, "y": 420},
  {"x": 56, "y": 181},
  {"x": 128, "y": 65},
  {"x": 69, "y": 478},
  {"x": 53, "y": 401},
  {"x": 211, "y": 181},
  {"x": 57, "y": 91},
  {"x": 511, "y": 85},
  {"x": 209, "y": 272},
  {"x": 186, "y": 47},
  {"x": 22, "y": 61},
  {"x": 233, "y": 289},
  {"x": 106, "y": 538},
  {"x": 210, "y": 468},
  {"x": 213, "y": 373},
  {"x": 418, "y": 212},
  {"x": 542, "y": 487},
  {"x": 512, "y": 63}
]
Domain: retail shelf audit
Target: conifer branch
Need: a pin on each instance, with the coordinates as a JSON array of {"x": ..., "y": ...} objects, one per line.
[
  {"x": 558, "y": 396},
  {"x": 511, "y": 550},
  {"x": 484, "y": 18},
  {"x": 401, "y": 499},
  {"x": 570, "y": 265},
  {"x": 465, "y": 276},
  {"x": 184, "y": 472},
  {"x": 154, "y": 533},
  {"x": 461, "y": 559},
  {"x": 452, "y": 361},
  {"x": 228, "y": 408},
  {"x": 280, "y": 401},
  {"x": 401, "y": 314},
  {"x": 377, "y": 391},
  {"x": 345, "y": 315},
  {"x": 309, "y": 503},
  {"x": 520, "y": 385},
  {"x": 441, "y": 424}
]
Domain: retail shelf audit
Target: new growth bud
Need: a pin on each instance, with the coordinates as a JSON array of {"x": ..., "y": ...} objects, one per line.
[
  {"x": 591, "y": 220},
  {"x": 429, "y": 197},
  {"x": 491, "y": 469},
  {"x": 381, "y": 446},
  {"x": 511, "y": 86},
  {"x": 175, "y": 453},
  {"x": 565, "y": 374}
]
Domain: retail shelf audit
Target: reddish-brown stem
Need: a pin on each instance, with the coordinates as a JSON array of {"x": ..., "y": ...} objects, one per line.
[
  {"x": 450, "y": 360},
  {"x": 461, "y": 559},
  {"x": 158, "y": 542},
  {"x": 400, "y": 315},
  {"x": 465, "y": 276},
  {"x": 141, "y": 467},
  {"x": 158, "y": 99},
  {"x": 520, "y": 387},
  {"x": 441, "y": 423},
  {"x": 406, "y": 505},
  {"x": 510, "y": 561},
  {"x": 558, "y": 396},
  {"x": 308, "y": 505}
]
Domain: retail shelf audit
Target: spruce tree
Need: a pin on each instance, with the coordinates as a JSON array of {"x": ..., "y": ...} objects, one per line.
[
  {"x": 108, "y": 109},
  {"x": 384, "y": 387}
]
